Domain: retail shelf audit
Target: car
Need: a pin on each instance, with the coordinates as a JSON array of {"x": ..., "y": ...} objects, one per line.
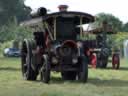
[{"x": 11, "y": 52}]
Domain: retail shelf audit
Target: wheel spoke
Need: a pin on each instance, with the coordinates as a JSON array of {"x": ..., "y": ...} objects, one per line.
[
  {"x": 26, "y": 74},
  {"x": 25, "y": 65},
  {"x": 24, "y": 53},
  {"x": 27, "y": 59}
]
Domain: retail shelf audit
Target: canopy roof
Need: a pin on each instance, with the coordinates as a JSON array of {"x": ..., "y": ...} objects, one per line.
[
  {"x": 100, "y": 31},
  {"x": 86, "y": 18}
]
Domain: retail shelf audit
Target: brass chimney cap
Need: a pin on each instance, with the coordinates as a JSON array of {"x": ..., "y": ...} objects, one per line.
[{"x": 63, "y": 8}]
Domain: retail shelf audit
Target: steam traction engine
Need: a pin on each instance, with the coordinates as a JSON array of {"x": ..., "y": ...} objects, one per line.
[
  {"x": 56, "y": 45},
  {"x": 99, "y": 48}
]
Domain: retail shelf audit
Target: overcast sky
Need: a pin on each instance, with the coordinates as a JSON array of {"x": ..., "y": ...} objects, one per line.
[{"x": 118, "y": 8}]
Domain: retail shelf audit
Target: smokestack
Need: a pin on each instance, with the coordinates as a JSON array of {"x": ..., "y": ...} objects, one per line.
[{"x": 63, "y": 8}]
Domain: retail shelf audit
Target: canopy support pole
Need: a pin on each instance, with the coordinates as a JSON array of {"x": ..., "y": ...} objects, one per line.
[
  {"x": 54, "y": 28},
  {"x": 81, "y": 29}
]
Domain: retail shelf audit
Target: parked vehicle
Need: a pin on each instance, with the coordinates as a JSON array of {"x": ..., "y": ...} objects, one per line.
[{"x": 11, "y": 52}]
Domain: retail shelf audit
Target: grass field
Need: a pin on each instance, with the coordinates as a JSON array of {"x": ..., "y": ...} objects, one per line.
[{"x": 101, "y": 82}]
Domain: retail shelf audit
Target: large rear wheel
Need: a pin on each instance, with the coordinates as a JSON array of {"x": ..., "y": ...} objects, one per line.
[
  {"x": 102, "y": 63},
  {"x": 26, "y": 61}
]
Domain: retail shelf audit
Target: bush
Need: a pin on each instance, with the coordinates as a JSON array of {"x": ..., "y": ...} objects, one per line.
[
  {"x": 5, "y": 45},
  {"x": 13, "y": 31}
]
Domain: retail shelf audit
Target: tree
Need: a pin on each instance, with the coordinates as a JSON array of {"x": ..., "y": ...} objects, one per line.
[
  {"x": 13, "y": 31},
  {"x": 125, "y": 27},
  {"x": 112, "y": 20},
  {"x": 10, "y": 9}
]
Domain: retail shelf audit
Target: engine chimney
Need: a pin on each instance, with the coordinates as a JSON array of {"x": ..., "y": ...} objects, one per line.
[{"x": 63, "y": 8}]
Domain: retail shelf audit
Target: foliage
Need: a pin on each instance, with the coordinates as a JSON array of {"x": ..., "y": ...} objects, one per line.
[
  {"x": 13, "y": 32},
  {"x": 118, "y": 39},
  {"x": 112, "y": 20},
  {"x": 12, "y": 35},
  {"x": 10, "y": 9},
  {"x": 5, "y": 45},
  {"x": 125, "y": 27}
]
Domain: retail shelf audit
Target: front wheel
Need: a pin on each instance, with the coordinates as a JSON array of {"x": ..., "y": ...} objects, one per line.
[
  {"x": 102, "y": 63},
  {"x": 83, "y": 72},
  {"x": 45, "y": 70},
  {"x": 105, "y": 62}
]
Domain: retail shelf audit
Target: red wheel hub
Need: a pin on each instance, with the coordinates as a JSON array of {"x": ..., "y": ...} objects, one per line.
[
  {"x": 115, "y": 61},
  {"x": 93, "y": 60}
]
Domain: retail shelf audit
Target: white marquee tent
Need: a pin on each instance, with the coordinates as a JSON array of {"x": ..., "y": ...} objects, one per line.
[{"x": 126, "y": 48}]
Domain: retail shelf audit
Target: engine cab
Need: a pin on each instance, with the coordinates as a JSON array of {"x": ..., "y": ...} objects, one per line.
[{"x": 57, "y": 44}]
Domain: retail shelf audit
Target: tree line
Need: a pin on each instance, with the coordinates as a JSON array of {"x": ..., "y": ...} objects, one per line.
[
  {"x": 116, "y": 23},
  {"x": 12, "y": 12},
  {"x": 16, "y": 9},
  {"x": 11, "y": 9}
]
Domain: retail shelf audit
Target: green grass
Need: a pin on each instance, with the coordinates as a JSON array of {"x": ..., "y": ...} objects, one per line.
[{"x": 101, "y": 82}]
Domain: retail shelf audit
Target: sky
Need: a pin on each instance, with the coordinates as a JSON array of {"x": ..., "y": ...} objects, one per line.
[{"x": 118, "y": 8}]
